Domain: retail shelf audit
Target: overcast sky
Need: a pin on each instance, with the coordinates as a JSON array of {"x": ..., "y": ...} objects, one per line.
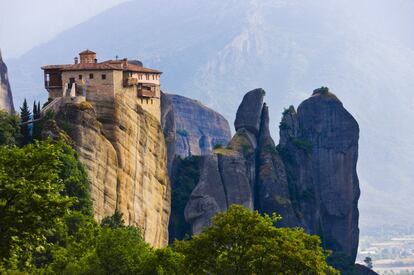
[{"x": 27, "y": 23}]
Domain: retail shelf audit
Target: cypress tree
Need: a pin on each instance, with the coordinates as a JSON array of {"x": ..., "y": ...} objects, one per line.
[
  {"x": 35, "y": 130},
  {"x": 25, "y": 116}
]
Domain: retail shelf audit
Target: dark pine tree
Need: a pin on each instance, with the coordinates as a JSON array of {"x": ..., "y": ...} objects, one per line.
[
  {"x": 25, "y": 116},
  {"x": 36, "y": 116}
]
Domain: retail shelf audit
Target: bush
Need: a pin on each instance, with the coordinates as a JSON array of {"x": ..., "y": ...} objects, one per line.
[{"x": 9, "y": 129}]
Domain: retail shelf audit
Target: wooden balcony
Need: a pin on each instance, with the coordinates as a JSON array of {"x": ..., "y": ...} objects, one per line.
[
  {"x": 146, "y": 93},
  {"x": 51, "y": 85}
]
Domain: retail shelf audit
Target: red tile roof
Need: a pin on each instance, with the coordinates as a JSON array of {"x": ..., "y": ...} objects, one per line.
[
  {"x": 106, "y": 65},
  {"x": 87, "y": 52}
]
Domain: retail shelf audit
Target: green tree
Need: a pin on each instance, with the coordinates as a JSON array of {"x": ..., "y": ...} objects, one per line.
[
  {"x": 368, "y": 262},
  {"x": 25, "y": 116},
  {"x": 244, "y": 242},
  {"x": 114, "y": 221},
  {"x": 75, "y": 179},
  {"x": 31, "y": 204},
  {"x": 186, "y": 176},
  {"x": 9, "y": 129},
  {"x": 36, "y": 129}
]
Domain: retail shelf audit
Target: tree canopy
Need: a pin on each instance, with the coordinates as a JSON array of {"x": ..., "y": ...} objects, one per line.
[{"x": 244, "y": 242}]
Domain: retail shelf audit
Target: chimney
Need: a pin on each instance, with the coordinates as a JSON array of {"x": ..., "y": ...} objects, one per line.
[
  {"x": 76, "y": 60},
  {"x": 124, "y": 62}
]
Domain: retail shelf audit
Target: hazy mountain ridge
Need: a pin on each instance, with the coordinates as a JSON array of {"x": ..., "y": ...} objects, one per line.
[{"x": 213, "y": 50}]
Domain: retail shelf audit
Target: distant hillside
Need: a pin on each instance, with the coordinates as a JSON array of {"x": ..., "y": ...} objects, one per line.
[{"x": 215, "y": 50}]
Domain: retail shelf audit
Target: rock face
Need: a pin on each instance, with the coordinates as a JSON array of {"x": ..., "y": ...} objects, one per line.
[
  {"x": 309, "y": 178},
  {"x": 169, "y": 128},
  {"x": 320, "y": 158},
  {"x": 234, "y": 170},
  {"x": 123, "y": 149},
  {"x": 250, "y": 110},
  {"x": 6, "y": 98},
  {"x": 198, "y": 128},
  {"x": 363, "y": 270}
]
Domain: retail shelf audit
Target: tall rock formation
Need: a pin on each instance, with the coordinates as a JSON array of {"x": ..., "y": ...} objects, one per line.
[
  {"x": 309, "y": 178},
  {"x": 190, "y": 130},
  {"x": 6, "y": 98},
  {"x": 198, "y": 128},
  {"x": 319, "y": 145},
  {"x": 123, "y": 149}
]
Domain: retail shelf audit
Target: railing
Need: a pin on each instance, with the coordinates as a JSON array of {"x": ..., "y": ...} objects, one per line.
[
  {"x": 146, "y": 93},
  {"x": 54, "y": 85},
  {"x": 54, "y": 105}
]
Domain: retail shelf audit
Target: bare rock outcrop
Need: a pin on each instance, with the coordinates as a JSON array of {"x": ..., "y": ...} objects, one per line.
[
  {"x": 272, "y": 183},
  {"x": 123, "y": 149},
  {"x": 250, "y": 110},
  {"x": 309, "y": 178},
  {"x": 6, "y": 98},
  {"x": 198, "y": 128},
  {"x": 169, "y": 128},
  {"x": 320, "y": 159}
]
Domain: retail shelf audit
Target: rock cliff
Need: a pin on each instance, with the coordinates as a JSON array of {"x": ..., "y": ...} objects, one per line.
[
  {"x": 309, "y": 178},
  {"x": 6, "y": 98},
  {"x": 320, "y": 151},
  {"x": 123, "y": 149},
  {"x": 190, "y": 130},
  {"x": 198, "y": 128}
]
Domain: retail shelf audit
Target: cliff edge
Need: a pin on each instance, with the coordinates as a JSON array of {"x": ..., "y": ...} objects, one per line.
[
  {"x": 6, "y": 98},
  {"x": 123, "y": 149}
]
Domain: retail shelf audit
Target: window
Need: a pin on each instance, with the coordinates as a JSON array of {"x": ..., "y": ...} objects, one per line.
[
  {"x": 147, "y": 76},
  {"x": 80, "y": 77},
  {"x": 147, "y": 100},
  {"x": 152, "y": 101},
  {"x": 142, "y": 101},
  {"x": 103, "y": 76},
  {"x": 153, "y": 77},
  {"x": 91, "y": 76}
]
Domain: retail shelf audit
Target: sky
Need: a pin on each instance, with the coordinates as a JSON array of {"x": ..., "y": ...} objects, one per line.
[{"x": 27, "y": 23}]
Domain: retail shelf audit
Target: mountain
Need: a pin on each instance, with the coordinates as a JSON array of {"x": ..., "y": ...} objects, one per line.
[
  {"x": 6, "y": 98},
  {"x": 213, "y": 50}
]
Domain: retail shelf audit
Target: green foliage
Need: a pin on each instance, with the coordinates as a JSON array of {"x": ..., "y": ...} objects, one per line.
[
  {"x": 186, "y": 176},
  {"x": 114, "y": 221},
  {"x": 290, "y": 110},
  {"x": 31, "y": 205},
  {"x": 284, "y": 126},
  {"x": 25, "y": 116},
  {"x": 303, "y": 144},
  {"x": 270, "y": 148},
  {"x": 75, "y": 179},
  {"x": 244, "y": 242},
  {"x": 368, "y": 262},
  {"x": 324, "y": 91},
  {"x": 9, "y": 129},
  {"x": 182, "y": 132},
  {"x": 120, "y": 251},
  {"x": 36, "y": 125},
  {"x": 218, "y": 146}
]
